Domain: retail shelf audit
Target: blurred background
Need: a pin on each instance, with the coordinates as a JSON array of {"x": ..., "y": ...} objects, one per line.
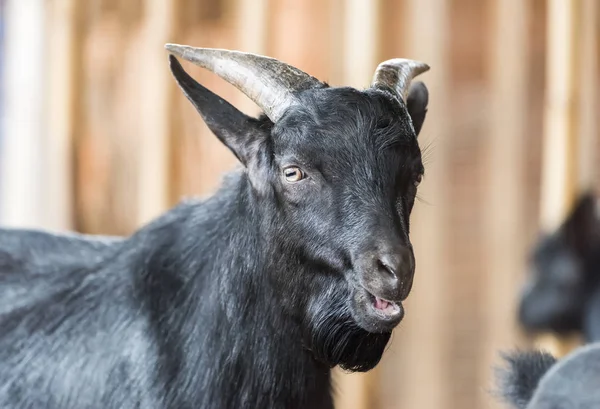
[{"x": 95, "y": 137}]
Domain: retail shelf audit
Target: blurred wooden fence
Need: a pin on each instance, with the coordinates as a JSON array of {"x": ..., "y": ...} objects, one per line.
[{"x": 123, "y": 144}]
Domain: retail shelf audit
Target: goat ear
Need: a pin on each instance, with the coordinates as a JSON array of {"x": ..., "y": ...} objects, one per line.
[
  {"x": 416, "y": 103},
  {"x": 238, "y": 131},
  {"x": 582, "y": 227}
]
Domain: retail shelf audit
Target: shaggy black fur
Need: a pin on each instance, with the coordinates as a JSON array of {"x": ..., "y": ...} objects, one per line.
[
  {"x": 536, "y": 380},
  {"x": 518, "y": 380},
  {"x": 243, "y": 300}
]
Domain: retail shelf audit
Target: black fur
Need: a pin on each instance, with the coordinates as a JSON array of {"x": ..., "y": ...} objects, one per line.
[
  {"x": 243, "y": 300},
  {"x": 536, "y": 380},
  {"x": 33, "y": 252},
  {"x": 563, "y": 290},
  {"x": 518, "y": 380}
]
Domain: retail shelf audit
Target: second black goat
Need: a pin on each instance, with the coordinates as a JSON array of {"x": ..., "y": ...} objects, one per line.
[{"x": 562, "y": 294}]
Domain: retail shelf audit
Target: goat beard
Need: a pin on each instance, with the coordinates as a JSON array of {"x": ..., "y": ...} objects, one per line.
[{"x": 336, "y": 339}]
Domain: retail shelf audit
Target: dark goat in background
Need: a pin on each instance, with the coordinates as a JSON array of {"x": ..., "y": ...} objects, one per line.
[
  {"x": 300, "y": 262},
  {"x": 563, "y": 290},
  {"x": 536, "y": 380}
]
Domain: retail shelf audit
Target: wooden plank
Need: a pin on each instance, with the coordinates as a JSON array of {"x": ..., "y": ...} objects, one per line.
[
  {"x": 560, "y": 134},
  {"x": 588, "y": 90},
  {"x": 252, "y": 23},
  {"x": 156, "y": 102},
  {"x": 62, "y": 85},
  {"x": 508, "y": 62},
  {"x": 290, "y": 40},
  {"x": 336, "y": 41},
  {"x": 426, "y": 383},
  {"x": 559, "y": 172},
  {"x": 108, "y": 117},
  {"x": 361, "y": 35},
  {"x": 22, "y": 164}
]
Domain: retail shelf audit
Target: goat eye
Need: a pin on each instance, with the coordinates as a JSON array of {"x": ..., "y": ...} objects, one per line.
[
  {"x": 293, "y": 174},
  {"x": 417, "y": 181}
]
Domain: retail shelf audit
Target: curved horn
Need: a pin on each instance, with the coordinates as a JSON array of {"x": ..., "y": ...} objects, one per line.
[
  {"x": 397, "y": 74},
  {"x": 266, "y": 81}
]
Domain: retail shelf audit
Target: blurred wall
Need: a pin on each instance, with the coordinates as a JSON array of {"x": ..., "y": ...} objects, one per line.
[{"x": 123, "y": 144}]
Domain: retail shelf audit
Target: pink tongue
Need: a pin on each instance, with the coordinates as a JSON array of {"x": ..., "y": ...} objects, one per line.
[{"x": 381, "y": 304}]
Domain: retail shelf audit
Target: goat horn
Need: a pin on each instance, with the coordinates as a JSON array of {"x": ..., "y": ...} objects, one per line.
[
  {"x": 270, "y": 83},
  {"x": 396, "y": 74}
]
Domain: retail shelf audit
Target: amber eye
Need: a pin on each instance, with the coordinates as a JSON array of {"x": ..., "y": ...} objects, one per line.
[{"x": 293, "y": 174}]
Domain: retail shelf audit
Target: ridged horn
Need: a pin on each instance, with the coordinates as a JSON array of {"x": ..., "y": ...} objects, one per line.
[
  {"x": 396, "y": 74},
  {"x": 268, "y": 82}
]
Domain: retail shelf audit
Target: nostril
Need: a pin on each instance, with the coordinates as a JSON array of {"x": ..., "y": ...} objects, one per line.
[{"x": 384, "y": 266}]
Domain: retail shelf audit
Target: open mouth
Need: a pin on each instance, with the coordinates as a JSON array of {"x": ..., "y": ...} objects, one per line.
[
  {"x": 385, "y": 308},
  {"x": 373, "y": 313},
  {"x": 376, "y": 314}
]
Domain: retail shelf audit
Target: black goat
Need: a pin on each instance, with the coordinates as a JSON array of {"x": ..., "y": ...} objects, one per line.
[
  {"x": 297, "y": 264},
  {"x": 563, "y": 291},
  {"x": 536, "y": 380}
]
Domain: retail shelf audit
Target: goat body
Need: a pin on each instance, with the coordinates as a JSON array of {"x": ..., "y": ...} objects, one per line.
[
  {"x": 299, "y": 263},
  {"x": 114, "y": 319}
]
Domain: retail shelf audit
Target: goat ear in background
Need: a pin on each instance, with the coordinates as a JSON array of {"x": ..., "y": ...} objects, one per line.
[
  {"x": 582, "y": 227},
  {"x": 231, "y": 126},
  {"x": 416, "y": 103}
]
